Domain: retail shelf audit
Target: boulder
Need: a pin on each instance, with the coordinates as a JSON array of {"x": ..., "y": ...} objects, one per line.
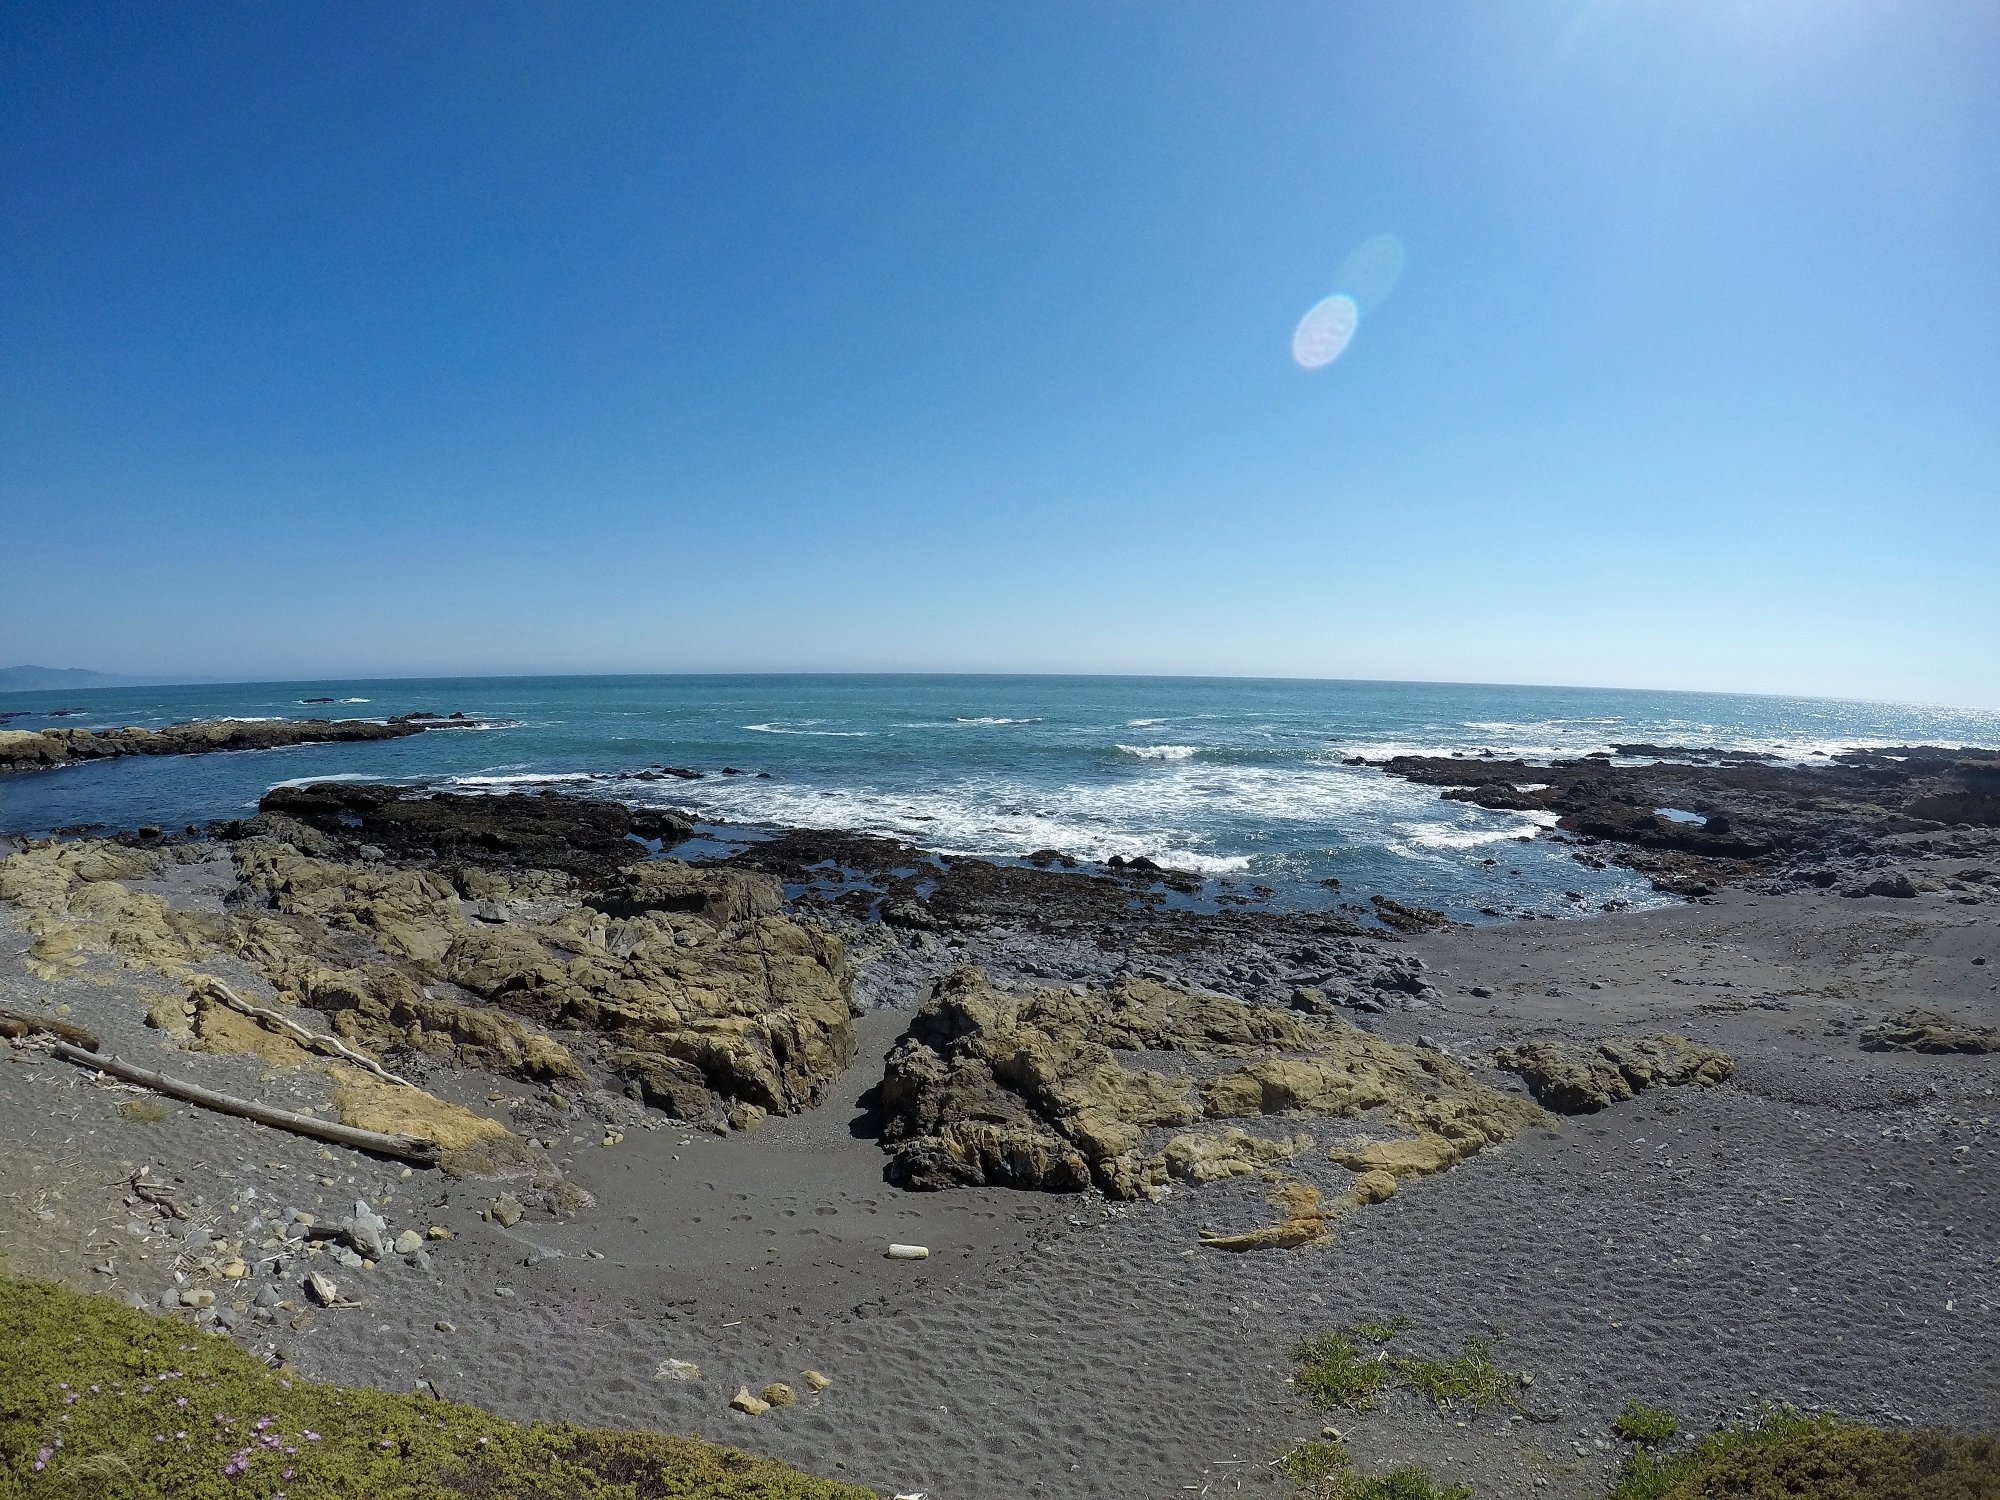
[
  {"x": 1031, "y": 1091},
  {"x": 1583, "y": 1078}
]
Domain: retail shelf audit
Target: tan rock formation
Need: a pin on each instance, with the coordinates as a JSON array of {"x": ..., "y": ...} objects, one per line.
[
  {"x": 1028, "y": 1091},
  {"x": 1582, "y": 1078}
]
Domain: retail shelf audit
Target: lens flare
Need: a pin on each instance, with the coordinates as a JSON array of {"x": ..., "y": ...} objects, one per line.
[
  {"x": 1371, "y": 271},
  {"x": 1324, "y": 331}
]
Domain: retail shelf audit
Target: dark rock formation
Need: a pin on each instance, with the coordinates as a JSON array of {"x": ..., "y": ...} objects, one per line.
[
  {"x": 577, "y": 835},
  {"x": 37, "y": 750},
  {"x": 1750, "y": 814}
]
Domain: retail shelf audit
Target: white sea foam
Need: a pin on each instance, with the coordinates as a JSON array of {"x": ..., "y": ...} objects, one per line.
[
  {"x": 522, "y": 778},
  {"x": 1469, "y": 831},
  {"x": 1143, "y": 723},
  {"x": 354, "y": 700},
  {"x": 337, "y": 776},
  {"x": 1162, "y": 752},
  {"x": 1171, "y": 817},
  {"x": 991, "y": 719},
  {"x": 824, "y": 734}
]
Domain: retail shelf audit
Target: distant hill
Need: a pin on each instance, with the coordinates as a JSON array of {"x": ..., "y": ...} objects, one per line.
[{"x": 23, "y": 678}]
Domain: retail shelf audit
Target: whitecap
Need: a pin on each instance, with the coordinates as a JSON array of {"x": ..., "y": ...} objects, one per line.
[
  {"x": 990, "y": 719},
  {"x": 1162, "y": 752},
  {"x": 1143, "y": 723},
  {"x": 824, "y": 734},
  {"x": 523, "y": 778}
]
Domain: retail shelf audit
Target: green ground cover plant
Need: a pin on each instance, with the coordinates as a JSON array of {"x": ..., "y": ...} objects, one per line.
[
  {"x": 1324, "y": 1472},
  {"x": 1640, "y": 1423},
  {"x": 102, "y": 1402},
  {"x": 1337, "y": 1370},
  {"x": 1785, "y": 1454}
]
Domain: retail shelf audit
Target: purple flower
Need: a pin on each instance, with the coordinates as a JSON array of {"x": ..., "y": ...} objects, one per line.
[{"x": 310, "y": 1436}]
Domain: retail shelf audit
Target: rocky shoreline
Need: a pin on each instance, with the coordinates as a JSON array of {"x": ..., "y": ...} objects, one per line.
[
  {"x": 24, "y": 750},
  {"x": 1736, "y": 1150}
]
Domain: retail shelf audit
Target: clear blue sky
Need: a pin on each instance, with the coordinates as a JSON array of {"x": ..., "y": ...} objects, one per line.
[{"x": 353, "y": 339}]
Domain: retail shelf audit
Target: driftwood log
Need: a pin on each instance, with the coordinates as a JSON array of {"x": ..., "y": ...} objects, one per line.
[
  {"x": 411, "y": 1148},
  {"x": 217, "y": 991},
  {"x": 14, "y": 1025}
]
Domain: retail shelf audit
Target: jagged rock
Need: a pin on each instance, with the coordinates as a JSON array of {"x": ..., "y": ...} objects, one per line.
[
  {"x": 75, "y": 903},
  {"x": 1929, "y": 1031},
  {"x": 749, "y": 1405},
  {"x": 1581, "y": 1079},
  {"x": 1027, "y": 1091},
  {"x": 1411, "y": 920},
  {"x": 736, "y": 1010},
  {"x": 777, "y": 1393},
  {"x": 721, "y": 896},
  {"x": 577, "y": 835},
  {"x": 34, "y": 750}
]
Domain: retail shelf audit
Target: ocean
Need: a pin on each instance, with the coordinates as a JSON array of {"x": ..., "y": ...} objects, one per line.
[{"x": 1239, "y": 779}]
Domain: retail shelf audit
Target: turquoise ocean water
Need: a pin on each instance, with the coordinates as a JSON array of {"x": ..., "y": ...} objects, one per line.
[{"x": 1239, "y": 779}]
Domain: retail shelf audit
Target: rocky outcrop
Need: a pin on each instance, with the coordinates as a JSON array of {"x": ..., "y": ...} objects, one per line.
[
  {"x": 1930, "y": 1031},
  {"x": 579, "y": 836},
  {"x": 1693, "y": 818},
  {"x": 702, "y": 997},
  {"x": 1031, "y": 1091},
  {"x": 37, "y": 750},
  {"x": 711, "y": 1003},
  {"x": 1576, "y": 1079}
]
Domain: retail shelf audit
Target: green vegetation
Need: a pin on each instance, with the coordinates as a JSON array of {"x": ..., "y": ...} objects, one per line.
[
  {"x": 1640, "y": 1423},
  {"x": 145, "y": 1111},
  {"x": 99, "y": 1402},
  {"x": 1785, "y": 1454},
  {"x": 1314, "y": 1462},
  {"x": 1382, "y": 1331},
  {"x": 1325, "y": 1472},
  {"x": 1335, "y": 1372}
]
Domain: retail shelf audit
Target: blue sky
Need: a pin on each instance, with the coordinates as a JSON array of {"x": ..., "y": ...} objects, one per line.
[{"x": 452, "y": 338}]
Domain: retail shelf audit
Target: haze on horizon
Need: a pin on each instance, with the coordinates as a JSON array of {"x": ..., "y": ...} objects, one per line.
[{"x": 387, "y": 341}]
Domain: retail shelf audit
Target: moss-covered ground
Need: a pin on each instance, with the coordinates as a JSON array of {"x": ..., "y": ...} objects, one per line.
[{"x": 101, "y": 1402}]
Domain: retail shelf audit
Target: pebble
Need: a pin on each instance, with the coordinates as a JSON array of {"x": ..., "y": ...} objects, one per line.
[
  {"x": 921, "y": 1252},
  {"x": 409, "y": 1242},
  {"x": 197, "y": 1297},
  {"x": 508, "y": 1211},
  {"x": 749, "y": 1405},
  {"x": 267, "y": 1296}
]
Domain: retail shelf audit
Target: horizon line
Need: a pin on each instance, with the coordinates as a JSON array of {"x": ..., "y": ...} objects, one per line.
[{"x": 133, "y": 681}]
